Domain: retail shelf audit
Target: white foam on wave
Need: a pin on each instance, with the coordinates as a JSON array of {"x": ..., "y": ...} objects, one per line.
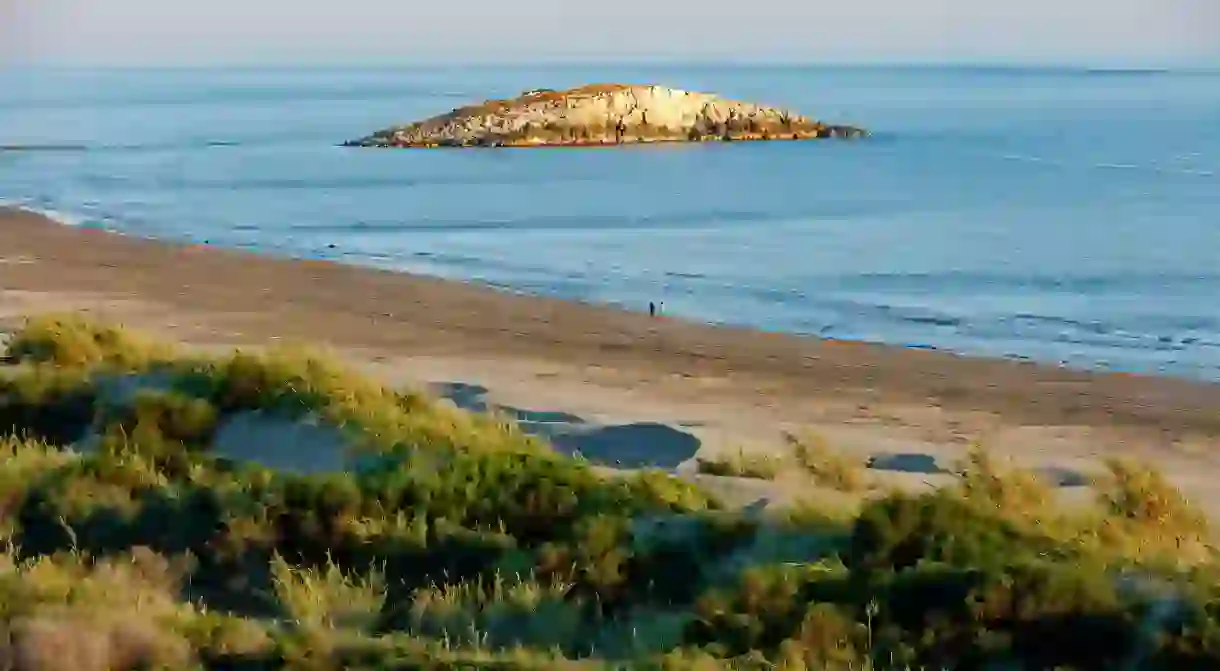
[
  {"x": 57, "y": 216},
  {"x": 1186, "y": 171},
  {"x": 1189, "y": 172},
  {"x": 1024, "y": 159}
]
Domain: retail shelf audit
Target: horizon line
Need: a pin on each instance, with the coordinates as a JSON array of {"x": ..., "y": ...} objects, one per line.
[{"x": 1098, "y": 66}]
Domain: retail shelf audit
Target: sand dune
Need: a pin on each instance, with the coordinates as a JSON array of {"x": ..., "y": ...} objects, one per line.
[{"x": 622, "y": 388}]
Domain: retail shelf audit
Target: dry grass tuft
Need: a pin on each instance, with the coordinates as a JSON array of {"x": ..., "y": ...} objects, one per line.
[
  {"x": 443, "y": 601},
  {"x": 67, "y": 612},
  {"x": 1145, "y": 517},
  {"x": 742, "y": 465},
  {"x": 1141, "y": 495},
  {"x": 139, "y": 582},
  {"x": 24, "y": 462},
  {"x": 829, "y": 469},
  {"x": 1009, "y": 490},
  {"x": 68, "y": 642},
  {"x": 326, "y": 598},
  {"x": 70, "y": 341},
  {"x": 499, "y": 612},
  {"x": 1140, "y": 518}
]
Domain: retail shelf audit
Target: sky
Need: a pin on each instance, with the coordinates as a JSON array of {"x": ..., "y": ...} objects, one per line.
[{"x": 216, "y": 32}]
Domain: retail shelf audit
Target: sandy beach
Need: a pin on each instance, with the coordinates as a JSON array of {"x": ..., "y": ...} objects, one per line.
[{"x": 627, "y": 387}]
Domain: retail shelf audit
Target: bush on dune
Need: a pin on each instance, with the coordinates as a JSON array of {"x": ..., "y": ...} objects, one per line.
[
  {"x": 814, "y": 455},
  {"x": 46, "y": 403},
  {"x": 456, "y": 542},
  {"x": 742, "y": 465},
  {"x": 68, "y": 341}
]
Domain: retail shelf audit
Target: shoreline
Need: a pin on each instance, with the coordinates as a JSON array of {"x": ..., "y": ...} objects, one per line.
[
  {"x": 640, "y": 391},
  {"x": 392, "y": 312},
  {"x": 75, "y": 222}
]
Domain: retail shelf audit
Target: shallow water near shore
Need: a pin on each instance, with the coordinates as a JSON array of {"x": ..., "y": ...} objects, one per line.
[{"x": 1060, "y": 215}]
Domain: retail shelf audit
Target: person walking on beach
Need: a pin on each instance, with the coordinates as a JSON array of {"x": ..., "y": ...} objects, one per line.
[{"x": 652, "y": 309}]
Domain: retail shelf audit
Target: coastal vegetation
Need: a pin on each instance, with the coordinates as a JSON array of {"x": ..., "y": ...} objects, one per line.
[{"x": 150, "y": 519}]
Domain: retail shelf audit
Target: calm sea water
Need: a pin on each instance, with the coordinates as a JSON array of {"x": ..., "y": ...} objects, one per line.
[{"x": 1061, "y": 215}]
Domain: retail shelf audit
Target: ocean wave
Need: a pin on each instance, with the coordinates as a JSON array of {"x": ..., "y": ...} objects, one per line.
[
  {"x": 229, "y": 95},
  {"x": 1184, "y": 324},
  {"x": 1190, "y": 172},
  {"x": 363, "y": 182},
  {"x": 1062, "y": 322},
  {"x": 540, "y": 222},
  {"x": 1186, "y": 172},
  {"x": 972, "y": 280},
  {"x": 923, "y": 317},
  {"x": 1126, "y": 71},
  {"x": 1152, "y": 168},
  {"x": 58, "y": 216},
  {"x": 1047, "y": 329},
  {"x": 685, "y": 276},
  {"x": 1025, "y": 159},
  {"x": 947, "y": 330},
  {"x": 43, "y": 148},
  {"x": 71, "y": 147}
]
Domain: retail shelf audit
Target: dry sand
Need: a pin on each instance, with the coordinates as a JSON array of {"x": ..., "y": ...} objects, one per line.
[{"x": 622, "y": 386}]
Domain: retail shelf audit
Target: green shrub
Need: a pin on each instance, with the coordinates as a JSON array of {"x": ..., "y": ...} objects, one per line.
[
  {"x": 327, "y": 598},
  {"x": 900, "y": 531},
  {"x": 1141, "y": 496},
  {"x": 171, "y": 431},
  {"x": 50, "y": 404},
  {"x": 167, "y": 416},
  {"x": 72, "y": 342},
  {"x": 23, "y": 463},
  {"x": 457, "y": 542},
  {"x": 500, "y": 613},
  {"x": 1015, "y": 494},
  {"x": 767, "y": 606},
  {"x": 295, "y": 382}
]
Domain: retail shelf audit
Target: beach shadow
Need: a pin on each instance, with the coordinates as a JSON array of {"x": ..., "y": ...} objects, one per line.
[
  {"x": 472, "y": 397},
  {"x": 925, "y": 464},
  {"x": 637, "y": 445},
  {"x": 913, "y": 462},
  {"x": 1063, "y": 477},
  {"x": 643, "y": 445},
  {"x": 532, "y": 417},
  {"x": 308, "y": 445},
  {"x": 281, "y": 443}
]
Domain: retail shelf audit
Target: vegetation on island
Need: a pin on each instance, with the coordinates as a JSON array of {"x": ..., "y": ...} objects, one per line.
[
  {"x": 605, "y": 114},
  {"x": 447, "y": 540}
]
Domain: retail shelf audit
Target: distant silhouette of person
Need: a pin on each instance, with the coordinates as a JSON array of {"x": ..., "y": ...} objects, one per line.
[{"x": 652, "y": 309}]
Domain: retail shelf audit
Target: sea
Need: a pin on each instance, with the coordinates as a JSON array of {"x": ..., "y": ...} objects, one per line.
[{"x": 1065, "y": 215}]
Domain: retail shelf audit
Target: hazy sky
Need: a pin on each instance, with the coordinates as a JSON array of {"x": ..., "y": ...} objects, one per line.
[{"x": 153, "y": 32}]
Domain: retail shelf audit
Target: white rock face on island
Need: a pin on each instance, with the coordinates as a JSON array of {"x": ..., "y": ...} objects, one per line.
[{"x": 604, "y": 114}]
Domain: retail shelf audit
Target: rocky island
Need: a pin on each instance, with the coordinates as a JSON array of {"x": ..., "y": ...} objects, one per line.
[{"x": 605, "y": 114}]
